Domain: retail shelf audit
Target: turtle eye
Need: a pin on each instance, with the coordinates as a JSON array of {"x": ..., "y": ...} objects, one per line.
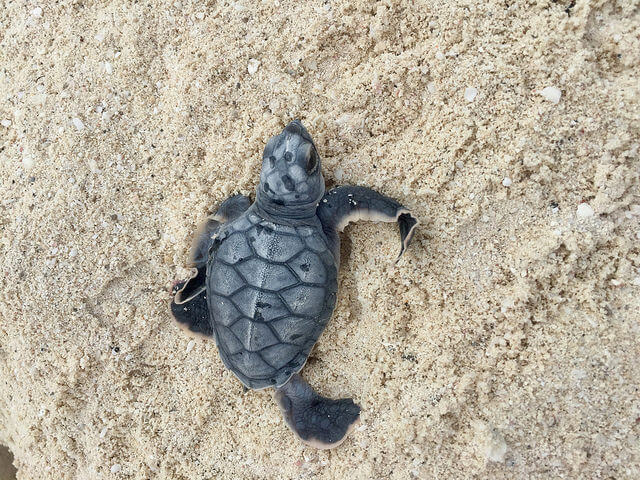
[{"x": 312, "y": 162}]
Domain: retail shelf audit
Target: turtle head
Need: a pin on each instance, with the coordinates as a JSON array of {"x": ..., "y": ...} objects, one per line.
[{"x": 291, "y": 181}]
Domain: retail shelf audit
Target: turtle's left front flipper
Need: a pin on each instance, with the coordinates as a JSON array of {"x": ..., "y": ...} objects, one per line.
[
  {"x": 342, "y": 205},
  {"x": 189, "y": 305}
]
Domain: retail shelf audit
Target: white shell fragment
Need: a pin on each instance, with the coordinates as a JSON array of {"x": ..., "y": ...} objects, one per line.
[
  {"x": 77, "y": 123},
  {"x": 470, "y": 94},
  {"x": 495, "y": 447},
  {"x": 28, "y": 161},
  {"x": 37, "y": 12},
  {"x": 253, "y": 65},
  {"x": 551, "y": 94},
  {"x": 584, "y": 210},
  {"x": 506, "y": 182}
]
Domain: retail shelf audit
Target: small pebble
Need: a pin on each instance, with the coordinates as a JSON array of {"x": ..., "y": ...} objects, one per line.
[
  {"x": 115, "y": 468},
  {"x": 551, "y": 94},
  {"x": 78, "y": 123},
  {"x": 108, "y": 68},
  {"x": 439, "y": 56},
  {"x": 37, "y": 12},
  {"x": 253, "y": 65},
  {"x": 190, "y": 345},
  {"x": 495, "y": 447},
  {"x": 6, "y": 123},
  {"x": 28, "y": 161},
  {"x": 103, "y": 432},
  {"x": 506, "y": 182},
  {"x": 470, "y": 94},
  {"x": 339, "y": 174},
  {"x": 93, "y": 165},
  {"x": 584, "y": 210}
]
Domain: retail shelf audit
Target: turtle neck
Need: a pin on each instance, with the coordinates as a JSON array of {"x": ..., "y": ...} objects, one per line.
[{"x": 285, "y": 213}]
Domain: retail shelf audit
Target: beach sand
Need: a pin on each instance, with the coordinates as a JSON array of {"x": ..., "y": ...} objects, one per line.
[{"x": 504, "y": 344}]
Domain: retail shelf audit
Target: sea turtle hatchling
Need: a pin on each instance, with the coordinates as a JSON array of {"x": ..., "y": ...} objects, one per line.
[{"x": 265, "y": 279}]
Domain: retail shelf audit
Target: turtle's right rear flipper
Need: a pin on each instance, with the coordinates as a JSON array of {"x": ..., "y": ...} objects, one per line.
[
  {"x": 318, "y": 421},
  {"x": 189, "y": 304}
]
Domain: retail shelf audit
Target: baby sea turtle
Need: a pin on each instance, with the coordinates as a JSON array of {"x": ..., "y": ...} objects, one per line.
[{"x": 265, "y": 279}]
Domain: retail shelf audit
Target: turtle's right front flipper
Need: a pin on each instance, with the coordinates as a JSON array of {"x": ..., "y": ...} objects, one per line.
[
  {"x": 189, "y": 304},
  {"x": 345, "y": 204}
]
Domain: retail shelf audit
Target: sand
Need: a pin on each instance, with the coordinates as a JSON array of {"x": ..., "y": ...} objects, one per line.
[{"x": 505, "y": 344}]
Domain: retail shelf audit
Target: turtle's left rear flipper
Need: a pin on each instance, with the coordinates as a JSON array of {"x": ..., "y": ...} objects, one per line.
[{"x": 189, "y": 304}]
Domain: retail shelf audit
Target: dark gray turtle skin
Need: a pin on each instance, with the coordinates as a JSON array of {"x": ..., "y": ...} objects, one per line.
[{"x": 265, "y": 279}]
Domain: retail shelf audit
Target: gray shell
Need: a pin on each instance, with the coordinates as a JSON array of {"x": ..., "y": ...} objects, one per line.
[{"x": 271, "y": 290}]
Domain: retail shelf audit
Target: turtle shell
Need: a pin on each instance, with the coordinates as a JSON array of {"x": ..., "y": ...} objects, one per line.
[{"x": 271, "y": 290}]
